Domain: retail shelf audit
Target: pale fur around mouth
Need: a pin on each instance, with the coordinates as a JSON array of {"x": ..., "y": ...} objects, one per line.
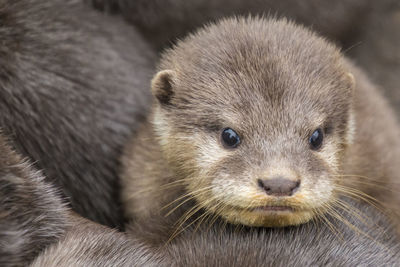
[{"x": 272, "y": 209}]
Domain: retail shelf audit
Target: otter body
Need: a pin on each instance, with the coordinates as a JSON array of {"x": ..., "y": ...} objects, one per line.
[
  {"x": 72, "y": 90},
  {"x": 313, "y": 244},
  {"x": 34, "y": 221},
  {"x": 262, "y": 123},
  {"x": 32, "y": 215},
  {"x": 89, "y": 244}
]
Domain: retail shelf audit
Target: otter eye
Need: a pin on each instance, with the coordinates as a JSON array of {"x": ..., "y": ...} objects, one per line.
[
  {"x": 230, "y": 138},
  {"x": 316, "y": 139}
]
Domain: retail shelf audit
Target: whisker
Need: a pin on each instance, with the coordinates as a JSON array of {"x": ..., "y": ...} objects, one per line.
[
  {"x": 192, "y": 195},
  {"x": 325, "y": 221},
  {"x": 375, "y": 180},
  {"x": 160, "y": 188}
]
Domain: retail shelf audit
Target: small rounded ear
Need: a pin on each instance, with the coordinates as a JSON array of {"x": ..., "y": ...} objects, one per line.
[
  {"x": 162, "y": 86},
  {"x": 352, "y": 80}
]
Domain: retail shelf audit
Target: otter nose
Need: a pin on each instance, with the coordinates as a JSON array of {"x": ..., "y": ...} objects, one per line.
[{"x": 279, "y": 186}]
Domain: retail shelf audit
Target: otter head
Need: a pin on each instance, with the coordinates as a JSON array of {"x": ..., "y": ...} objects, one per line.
[{"x": 254, "y": 115}]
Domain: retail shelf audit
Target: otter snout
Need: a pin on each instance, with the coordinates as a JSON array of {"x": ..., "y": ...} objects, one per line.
[{"x": 278, "y": 186}]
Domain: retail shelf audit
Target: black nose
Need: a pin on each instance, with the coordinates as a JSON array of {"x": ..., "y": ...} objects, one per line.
[{"x": 279, "y": 186}]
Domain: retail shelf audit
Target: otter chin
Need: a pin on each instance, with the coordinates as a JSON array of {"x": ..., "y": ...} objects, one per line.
[
  {"x": 263, "y": 123},
  {"x": 267, "y": 219}
]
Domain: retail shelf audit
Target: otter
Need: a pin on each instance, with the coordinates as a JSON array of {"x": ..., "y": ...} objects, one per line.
[
  {"x": 72, "y": 90},
  {"x": 263, "y": 123}
]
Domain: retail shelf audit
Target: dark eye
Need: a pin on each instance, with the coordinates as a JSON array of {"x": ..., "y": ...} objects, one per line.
[
  {"x": 230, "y": 138},
  {"x": 316, "y": 139}
]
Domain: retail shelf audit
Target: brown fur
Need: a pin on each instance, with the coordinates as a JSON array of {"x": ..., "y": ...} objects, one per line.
[{"x": 274, "y": 83}]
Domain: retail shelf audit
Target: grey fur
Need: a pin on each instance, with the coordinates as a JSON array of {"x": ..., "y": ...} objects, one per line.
[
  {"x": 74, "y": 85},
  {"x": 33, "y": 218},
  {"x": 307, "y": 245},
  {"x": 370, "y": 241},
  {"x": 32, "y": 215},
  {"x": 89, "y": 244}
]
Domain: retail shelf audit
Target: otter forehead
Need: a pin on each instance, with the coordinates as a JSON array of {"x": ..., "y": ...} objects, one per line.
[
  {"x": 259, "y": 72},
  {"x": 259, "y": 66}
]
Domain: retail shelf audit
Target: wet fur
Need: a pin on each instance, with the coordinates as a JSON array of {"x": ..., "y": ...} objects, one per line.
[{"x": 73, "y": 86}]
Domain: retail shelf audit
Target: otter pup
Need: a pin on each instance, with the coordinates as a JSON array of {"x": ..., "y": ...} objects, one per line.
[{"x": 262, "y": 123}]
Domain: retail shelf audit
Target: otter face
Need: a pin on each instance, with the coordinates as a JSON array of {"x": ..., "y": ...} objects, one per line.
[{"x": 255, "y": 115}]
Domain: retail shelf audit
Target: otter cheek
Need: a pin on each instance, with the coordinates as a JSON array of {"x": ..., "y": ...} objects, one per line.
[
  {"x": 233, "y": 191},
  {"x": 209, "y": 152},
  {"x": 323, "y": 191},
  {"x": 316, "y": 192}
]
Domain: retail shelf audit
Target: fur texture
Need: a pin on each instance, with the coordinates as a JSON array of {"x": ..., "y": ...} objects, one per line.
[
  {"x": 365, "y": 238},
  {"x": 90, "y": 244},
  {"x": 74, "y": 86},
  {"x": 33, "y": 218},
  {"x": 32, "y": 215},
  {"x": 34, "y": 221},
  {"x": 307, "y": 245},
  {"x": 274, "y": 83}
]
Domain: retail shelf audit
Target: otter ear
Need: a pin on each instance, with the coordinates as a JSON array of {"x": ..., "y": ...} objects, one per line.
[
  {"x": 352, "y": 80},
  {"x": 162, "y": 86}
]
